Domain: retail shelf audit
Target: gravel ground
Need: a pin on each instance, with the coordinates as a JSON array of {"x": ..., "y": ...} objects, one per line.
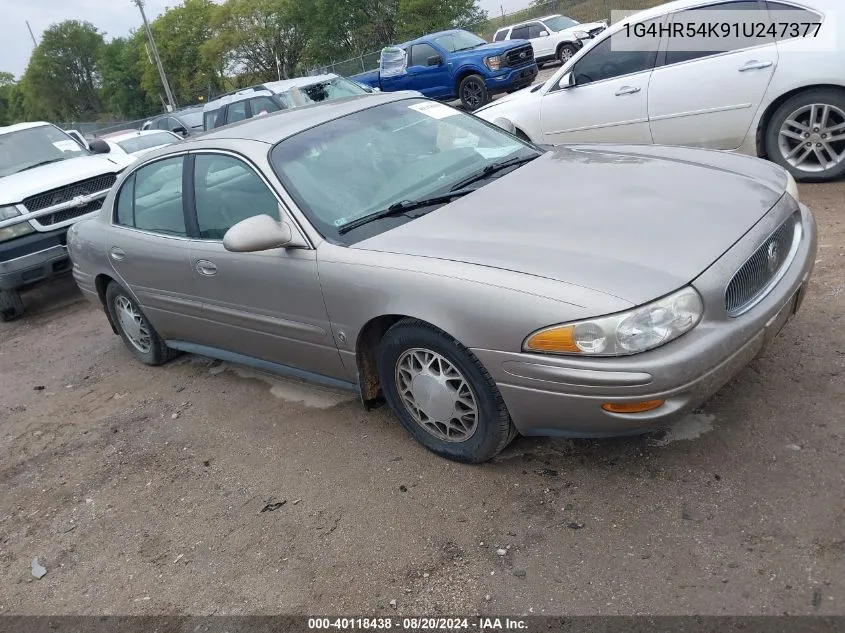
[{"x": 141, "y": 490}]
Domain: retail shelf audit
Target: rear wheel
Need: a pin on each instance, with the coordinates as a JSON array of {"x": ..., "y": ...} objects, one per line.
[
  {"x": 11, "y": 305},
  {"x": 137, "y": 333},
  {"x": 806, "y": 135},
  {"x": 473, "y": 92},
  {"x": 565, "y": 52},
  {"x": 442, "y": 394}
]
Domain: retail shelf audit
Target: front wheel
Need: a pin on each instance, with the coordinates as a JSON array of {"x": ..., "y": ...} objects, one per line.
[
  {"x": 11, "y": 305},
  {"x": 473, "y": 92},
  {"x": 442, "y": 394},
  {"x": 565, "y": 53},
  {"x": 806, "y": 135}
]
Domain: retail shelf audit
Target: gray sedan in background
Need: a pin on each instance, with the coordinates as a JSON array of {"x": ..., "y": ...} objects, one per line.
[{"x": 419, "y": 255}]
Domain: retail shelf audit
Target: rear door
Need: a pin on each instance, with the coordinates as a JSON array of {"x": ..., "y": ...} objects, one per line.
[
  {"x": 710, "y": 98},
  {"x": 149, "y": 248},
  {"x": 425, "y": 74},
  {"x": 266, "y": 305}
]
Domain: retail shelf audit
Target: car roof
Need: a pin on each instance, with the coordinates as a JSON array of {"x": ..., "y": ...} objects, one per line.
[
  {"x": 529, "y": 21},
  {"x": 266, "y": 89},
  {"x": 122, "y": 135},
  {"x": 431, "y": 36},
  {"x": 272, "y": 128},
  {"x": 17, "y": 127}
]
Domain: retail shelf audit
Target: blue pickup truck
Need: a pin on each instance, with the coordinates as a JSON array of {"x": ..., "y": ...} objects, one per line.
[{"x": 454, "y": 65}]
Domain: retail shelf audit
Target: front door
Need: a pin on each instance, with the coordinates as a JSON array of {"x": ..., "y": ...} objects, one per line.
[
  {"x": 430, "y": 78},
  {"x": 608, "y": 99},
  {"x": 148, "y": 249},
  {"x": 710, "y": 98},
  {"x": 266, "y": 305}
]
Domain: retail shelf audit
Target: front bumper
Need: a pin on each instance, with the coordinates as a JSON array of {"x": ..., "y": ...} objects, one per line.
[
  {"x": 512, "y": 79},
  {"x": 27, "y": 260},
  {"x": 562, "y": 396}
]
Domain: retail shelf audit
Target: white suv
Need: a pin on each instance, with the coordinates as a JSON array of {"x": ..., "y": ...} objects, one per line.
[{"x": 554, "y": 37}]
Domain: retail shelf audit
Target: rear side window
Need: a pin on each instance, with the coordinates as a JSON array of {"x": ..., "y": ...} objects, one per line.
[
  {"x": 501, "y": 35},
  {"x": 801, "y": 22},
  {"x": 151, "y": 199},
  {"x": 520, "y": 33},
  {"x": 263, "y": 105},
  {"x": 237, "y": 112}
]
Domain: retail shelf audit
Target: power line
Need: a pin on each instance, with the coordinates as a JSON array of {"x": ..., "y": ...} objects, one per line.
[
  {"x": 32, "y": 35},
  {"x": 171, "y": 101}
]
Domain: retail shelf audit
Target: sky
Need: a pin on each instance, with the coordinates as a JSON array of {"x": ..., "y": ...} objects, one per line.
[{"x": 114, "y": 17}]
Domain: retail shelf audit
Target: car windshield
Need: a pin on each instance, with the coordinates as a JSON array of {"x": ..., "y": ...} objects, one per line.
[
  {"x": 365, "y": 162},
  {"x": 146, "y": 141},
  {"x": 329, "y": 90},
  {"x": 35, "y": 146},
  {"x": 560, "y": 23},
  {"x": 459, "y": 41}
]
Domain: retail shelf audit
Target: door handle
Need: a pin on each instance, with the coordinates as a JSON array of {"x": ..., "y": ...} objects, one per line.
[
  {"x": 117, "y": 254},
  {"x": 627, "y": 90},
  {"x": 205, "y": 267},
  {"x": 754, "y": 65}
]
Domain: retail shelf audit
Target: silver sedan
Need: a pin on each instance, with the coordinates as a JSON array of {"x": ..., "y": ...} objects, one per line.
[{"x": 418, "y": 255}]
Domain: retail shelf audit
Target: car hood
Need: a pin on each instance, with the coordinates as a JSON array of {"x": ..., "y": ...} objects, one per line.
[
  {"x": 493, "y": 48},
  {"x": 634, "y": 222},
  {"x": 588, "y": 26},
  {"x": 500, "y": 105},
  {"x": 14, "y": 188}
]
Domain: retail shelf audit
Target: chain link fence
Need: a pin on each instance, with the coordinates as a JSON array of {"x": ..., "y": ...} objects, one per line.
[
  {"x": 90, "y": 129},
  {"x": 580, "y": 10}
]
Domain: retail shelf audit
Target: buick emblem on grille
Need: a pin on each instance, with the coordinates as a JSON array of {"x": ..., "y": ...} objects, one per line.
[{"x": 772, "y": 257}]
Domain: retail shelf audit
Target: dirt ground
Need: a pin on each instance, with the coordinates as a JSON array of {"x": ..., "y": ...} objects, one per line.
[{"x": 141, "y": 490}]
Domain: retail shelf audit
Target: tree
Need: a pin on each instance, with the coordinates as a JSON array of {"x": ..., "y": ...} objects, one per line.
[
  {"x": 7, "y": 85},
  {"x": 121, "y": 65},
  {"x": 62, "y": 79},
  {"x": 426, "y": 16},
  {"x": 181, "y": 34},
  {"x": 261, "y": 39}
]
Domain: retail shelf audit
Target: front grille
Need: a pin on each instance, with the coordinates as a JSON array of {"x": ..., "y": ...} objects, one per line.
[
  {"x": 519, "y": 56},
  {"x": 756, "y": 275},
  {"x": 67, "y": 193},
  {"x": 69, "y": 214}
]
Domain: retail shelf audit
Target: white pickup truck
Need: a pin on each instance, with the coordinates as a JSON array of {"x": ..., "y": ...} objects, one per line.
[
  {"x": 553, "y": 37},
  {"x": 47, "y": 183}
]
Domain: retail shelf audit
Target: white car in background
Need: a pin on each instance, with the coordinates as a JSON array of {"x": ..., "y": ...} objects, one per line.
[
  {"x": 139, "y": 142},
  {"x": 554, "y": 37},
  {"x": 781, "y": 99}
]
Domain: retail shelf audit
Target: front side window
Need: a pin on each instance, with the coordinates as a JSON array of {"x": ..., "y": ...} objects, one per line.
[
  {"x": 209, "y": 119},
  {"x": 228, "y": 191},
  {"x": 237, "y": 112},
  {"x": 36, "y": 146},
  {"x": 420, "y": 54},
  {"x": 617, "y": 55},
  {"x": 534, "y": 30},
  {"x": 263, "y": 105},
  {"x": 351, "y": 167},
  {"x": 459, "y": 41},
  {"x": 151, "y": 199}
]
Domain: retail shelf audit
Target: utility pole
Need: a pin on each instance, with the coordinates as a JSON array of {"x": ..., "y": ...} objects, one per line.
[
  {"x": 32, "y": 35},
  {"x": 171, "y": 102}
]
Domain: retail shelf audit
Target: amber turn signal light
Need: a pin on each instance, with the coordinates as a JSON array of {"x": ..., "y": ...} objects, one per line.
[{"x": 632, "y": 407}]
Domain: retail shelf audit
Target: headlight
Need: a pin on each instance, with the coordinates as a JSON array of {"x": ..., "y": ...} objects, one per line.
[
  {"x": 626, "y": 333},
  {"x": 581, "y": 35},
  {"x": 16, "y": 230},
  {"x": 493, "y": 63},
  {"x": 792, "y": 187}
]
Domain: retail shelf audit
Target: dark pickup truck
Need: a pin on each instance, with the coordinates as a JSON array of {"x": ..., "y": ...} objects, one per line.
[{"x": 453, "y": 65}]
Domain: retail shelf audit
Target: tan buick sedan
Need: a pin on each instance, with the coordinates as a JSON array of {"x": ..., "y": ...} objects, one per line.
[{"x": 479, "y": 284}]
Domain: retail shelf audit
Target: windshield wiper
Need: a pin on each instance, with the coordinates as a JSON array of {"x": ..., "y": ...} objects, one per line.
[
  {"x": 42, "y": 163},
  {"x": 403, "y": 207},
  {"x": 492, "y": 169}
]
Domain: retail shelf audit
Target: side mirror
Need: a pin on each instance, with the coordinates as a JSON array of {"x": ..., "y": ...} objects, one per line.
[
  {"x": 180, "y": 130},
  {"x": 258, "y": 233},
  {"x": 567, "y": 81},
  {"x": 505, "y": 124},
  {"x": 99, "y": 146},
  {"x": 435, "y": 60},
  {"x": 544, "y": 33}
]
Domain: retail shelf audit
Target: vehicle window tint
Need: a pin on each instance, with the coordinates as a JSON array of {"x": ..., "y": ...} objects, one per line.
[
  {"x": 420, "y": 54},
  {"x": 500, "y": 35},
  {"x": 534, "y": 30},
  {"x": 161, "y": 124},
  {"x": 237, "y": 112},
  {"x": 801, "y": 21},
  {"x": 263, "y": 105},
  {"x": 125, "y": 211},
  {"x": 209, "y": 119},
  {"x": 227, "y": 192},
  {"x": 675, "y": 48},
  {"x": 520, "y": 33},
  {"x": 157, "y": 200},
  {"x": 606, "y": 60}
]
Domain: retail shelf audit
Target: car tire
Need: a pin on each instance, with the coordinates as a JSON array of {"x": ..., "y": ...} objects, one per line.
[
  {"x": 565, "y": 52},
  {"x": 11, "y": 305},
  {"x": 476, "y": 427},
  {"x": 785, "y": 147},
  {"x": 473, "y": 92},
  {"x": 138, "y": 335}
]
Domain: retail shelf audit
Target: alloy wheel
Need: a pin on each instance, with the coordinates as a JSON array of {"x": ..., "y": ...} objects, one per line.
[
  {"x": 437, "y": 395},
  {"x": 473, "y": 94},
  {"x": 812, "y": 138},
  {"x": 133, "y": 324}
]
